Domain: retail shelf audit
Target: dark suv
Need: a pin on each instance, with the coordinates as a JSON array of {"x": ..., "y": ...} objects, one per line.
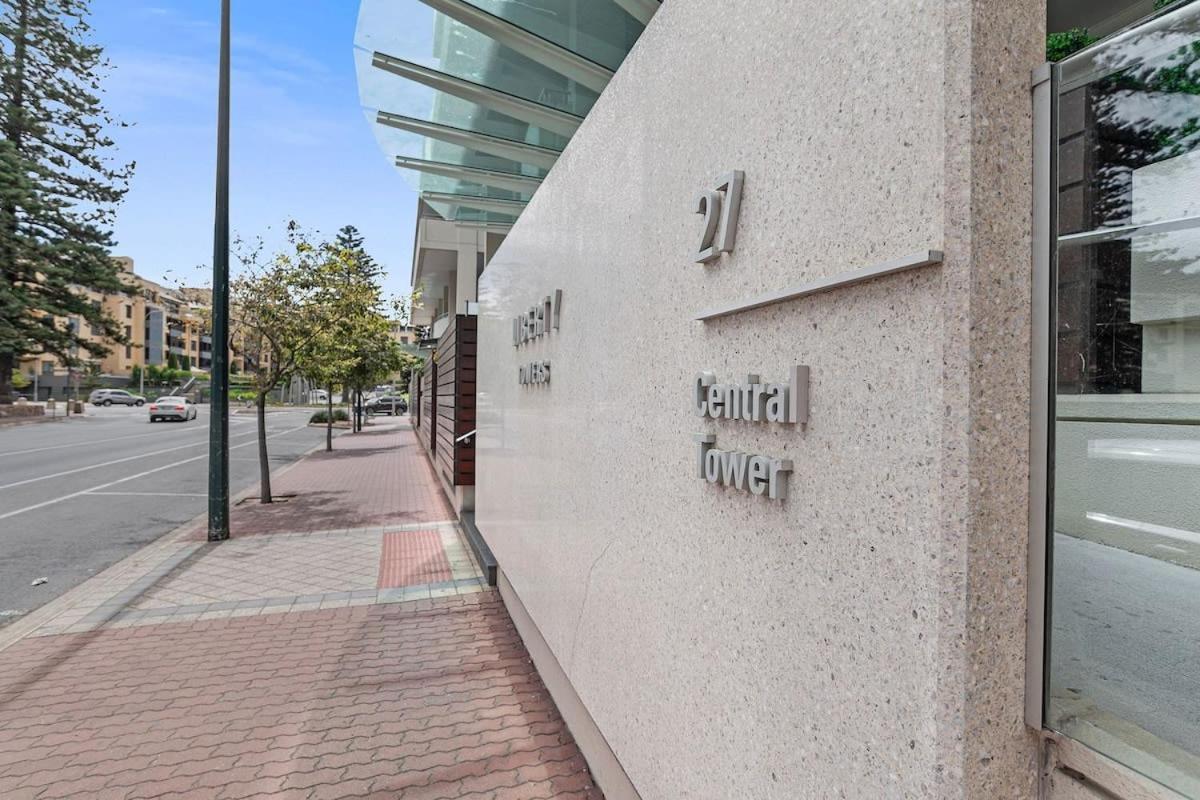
[{"x": 388, "y": 404}]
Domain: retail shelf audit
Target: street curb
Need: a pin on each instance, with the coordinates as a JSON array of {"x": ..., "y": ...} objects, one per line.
[{"x": 30, "y": 623}]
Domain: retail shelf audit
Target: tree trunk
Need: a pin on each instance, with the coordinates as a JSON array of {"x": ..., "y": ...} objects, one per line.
[
  {"x": 6, "y": 373},
  {"x": 264, "y": 466},
  {"x": 14, "y": 134},
  {"x": 329, "y": 418}
]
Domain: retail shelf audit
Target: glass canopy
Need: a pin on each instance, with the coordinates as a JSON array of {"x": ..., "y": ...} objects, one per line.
[{"x": 474, "y": 99}]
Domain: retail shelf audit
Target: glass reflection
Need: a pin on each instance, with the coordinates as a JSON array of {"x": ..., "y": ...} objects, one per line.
[
  {"x": 598, "y": 30},
  {"x": 1125, "y": 579}
]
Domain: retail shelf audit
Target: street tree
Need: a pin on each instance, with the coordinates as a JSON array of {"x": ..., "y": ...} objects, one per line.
[
  {"x": 279, "y": 308},
  {"x": 376, "y": 356},
  {"x": 359, "y": 351},
  {"x": 59, "y": 187},
  {"x": 354, "y": 296}
]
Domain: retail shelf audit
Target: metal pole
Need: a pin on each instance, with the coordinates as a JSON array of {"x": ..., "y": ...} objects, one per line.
[{"x": 218, "y": 422}]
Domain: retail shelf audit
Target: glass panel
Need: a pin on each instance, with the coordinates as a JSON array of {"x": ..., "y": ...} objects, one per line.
[
  {"x": 413, "y": 31},
  {"x": 1125, "y": 577},
  {"x": 596, "y": 29},
  {"x": 1098, "y": 17},
  {"x": 457, "y": 213},
  {"x": 408, "y": 29}
]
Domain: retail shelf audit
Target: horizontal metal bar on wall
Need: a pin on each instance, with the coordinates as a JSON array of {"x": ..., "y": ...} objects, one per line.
[
  {"x": 563, "y": 61},
  {"x": 536, "y": 114},
  {"x": 922, "y": 259}
]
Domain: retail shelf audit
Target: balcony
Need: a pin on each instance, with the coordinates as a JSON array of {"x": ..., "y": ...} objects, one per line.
[{"x": 439, "y": 327}]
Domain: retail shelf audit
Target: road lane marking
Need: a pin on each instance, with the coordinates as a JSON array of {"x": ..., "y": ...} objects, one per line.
[
  {"x": 96, "y": 441},
  {"x": 147, "y": 494},
  {"x": 232, "y": 420},
  {"x": 64, "y": 473},
  {"x": 93, "y": 489}
]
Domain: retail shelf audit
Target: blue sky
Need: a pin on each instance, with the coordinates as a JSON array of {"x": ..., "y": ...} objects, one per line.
[{"x": 301, "y": 146}]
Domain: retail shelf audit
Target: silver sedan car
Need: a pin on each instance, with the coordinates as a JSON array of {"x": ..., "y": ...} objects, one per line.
[{"x": 179, "y": 408}]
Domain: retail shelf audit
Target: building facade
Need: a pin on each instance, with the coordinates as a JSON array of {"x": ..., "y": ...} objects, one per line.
[
  {"x": 165, "y": 326},
  {"x": 836, "y": 402}
]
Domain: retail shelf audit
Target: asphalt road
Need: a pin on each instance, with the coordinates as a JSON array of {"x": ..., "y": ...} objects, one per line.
[
  {"x": 79, "y": 495},
  {"x": 1126, "y": 634}
]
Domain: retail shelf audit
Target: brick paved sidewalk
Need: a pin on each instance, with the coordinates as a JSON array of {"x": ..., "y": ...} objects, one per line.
[
  {"x": 317, "y": 661},
  {"x": 377, "y": 477}
]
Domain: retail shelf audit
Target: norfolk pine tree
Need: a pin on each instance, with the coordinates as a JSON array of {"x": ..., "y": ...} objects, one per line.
[
  {"x": 58, "y": 189},
  {"x": 354, "y": 298}
]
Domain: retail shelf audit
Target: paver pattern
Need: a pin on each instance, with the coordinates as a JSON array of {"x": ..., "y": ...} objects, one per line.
[
  {"x": 285, "y": 564},
  {"x": 425, "y": 700},
  {"x": 411, "y": 558},
  {"x": 282, "y": 666},
  {"x": 374, "y": 478}
]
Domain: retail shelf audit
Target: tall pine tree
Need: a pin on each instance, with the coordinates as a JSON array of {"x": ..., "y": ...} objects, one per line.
[
  {"x": 348, "y": 238},
  {"x": 58, "y": 188}
]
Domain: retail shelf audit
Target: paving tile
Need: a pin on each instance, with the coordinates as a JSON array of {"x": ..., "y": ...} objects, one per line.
[
  {"x": 273, "y": 664},
  {"x": 376, "y": 478},
  {"x": 350, "y": 683},
  {"x": 411, "y": 558}
]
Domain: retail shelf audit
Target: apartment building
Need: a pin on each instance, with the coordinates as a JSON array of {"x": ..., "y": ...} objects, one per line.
[{"x": 163, "y": 325}]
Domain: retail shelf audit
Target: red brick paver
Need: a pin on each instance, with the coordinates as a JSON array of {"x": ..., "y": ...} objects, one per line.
[
  {"x": 413, "y": 557},
  {"x": 272, "y": 666},
  {"x": 370, "y": 479},
  {"x": 425, "y": 700}
]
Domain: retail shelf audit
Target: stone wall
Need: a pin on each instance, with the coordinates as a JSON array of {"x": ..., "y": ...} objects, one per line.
[{"x": 865, "y": 636}]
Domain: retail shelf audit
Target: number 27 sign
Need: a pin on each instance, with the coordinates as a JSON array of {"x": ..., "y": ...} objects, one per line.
[{"x": 720, "y": 207}]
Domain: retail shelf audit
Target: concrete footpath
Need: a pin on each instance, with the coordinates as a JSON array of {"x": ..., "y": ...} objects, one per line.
[{"x": 342, "y": 644}]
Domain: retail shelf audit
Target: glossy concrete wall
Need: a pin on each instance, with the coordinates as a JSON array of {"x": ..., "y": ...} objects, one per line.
[{"x": 864, "y": 638}]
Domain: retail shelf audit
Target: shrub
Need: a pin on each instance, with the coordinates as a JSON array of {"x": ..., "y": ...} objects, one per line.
[
  {"x": 1061, "y": 45},
  {"x": 339, "y": 415}
]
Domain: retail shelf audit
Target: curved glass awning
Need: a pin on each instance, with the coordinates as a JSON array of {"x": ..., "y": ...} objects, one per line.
[{"x": 475, "y": 99}]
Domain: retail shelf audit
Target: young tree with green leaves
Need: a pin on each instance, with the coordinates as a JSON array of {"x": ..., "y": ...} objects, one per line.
[
  {"x": 376, "y": 356},
  {"x": 283, "y": 311},
  {"x": 58, "y": 188}
]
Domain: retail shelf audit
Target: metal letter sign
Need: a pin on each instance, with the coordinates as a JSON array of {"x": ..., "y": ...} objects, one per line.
[{"x": 720, "y": 208}]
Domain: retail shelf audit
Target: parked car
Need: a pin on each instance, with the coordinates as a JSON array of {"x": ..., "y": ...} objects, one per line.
[
  {"x": 169, "y": 407},
  {"x": 120, "y": 397},
  {"x": 388, "y": 404}
]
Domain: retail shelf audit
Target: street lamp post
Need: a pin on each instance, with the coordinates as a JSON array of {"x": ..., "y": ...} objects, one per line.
[{"x": 218, "y": 424}]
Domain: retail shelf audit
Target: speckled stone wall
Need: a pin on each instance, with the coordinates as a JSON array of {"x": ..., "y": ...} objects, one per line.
[{"x": 864, "y": 638}]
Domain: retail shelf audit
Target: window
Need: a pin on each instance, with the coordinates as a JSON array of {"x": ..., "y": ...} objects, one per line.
[
  {"x": 1124, "y": 535},
  {"x": 1097, "y": 18},
  {"x": 47, "y": 367},
  {"x": 128, "y": 311},
  {"x": 96, "y": 330},
  {"x": 128, "y": 351}
]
